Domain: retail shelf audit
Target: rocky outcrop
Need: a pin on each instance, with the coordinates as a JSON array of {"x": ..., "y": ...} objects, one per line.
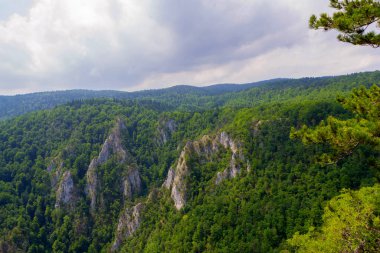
[
  {"x": 165, "y": 130},
  {"x": 131, "y": 183},
  {"x": 169, "y": 179},
  {"x": 111, "y": 147},
  {"x": 65, "y": 191},
  {"x": 55, "y": 170},
  {"x": 129, "y": 222},
  {"x": 256, "y": 127},
  {"x": 204, "y": 149},
  {"x": 237, "y": 157},
  {"x": 92, "y": 183},
  {"x": 178, "y": 185}
]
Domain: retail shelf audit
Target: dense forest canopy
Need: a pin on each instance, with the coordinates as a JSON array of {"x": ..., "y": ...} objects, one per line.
[
  {"x": 276, "y": 166},
  {"x": 50, "y": 159},
  {"x": 199, "y": 98},
  {"x": 350, "y": 220}
]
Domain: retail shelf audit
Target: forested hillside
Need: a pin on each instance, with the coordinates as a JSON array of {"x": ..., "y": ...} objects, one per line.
[
  {"x": 176, "y": 171},
  {"x": 20, "y": 104},
  {"x": 184, "y": 97}
]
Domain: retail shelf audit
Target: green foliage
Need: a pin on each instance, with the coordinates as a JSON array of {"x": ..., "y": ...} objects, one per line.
[
  {"x": 346, "y": 135},
  {"x": 351, "y": 223},
  {"x": 190, "y": 99},
  {"x": 352, "y": 19},
  {"x": 256, "y": 212}
]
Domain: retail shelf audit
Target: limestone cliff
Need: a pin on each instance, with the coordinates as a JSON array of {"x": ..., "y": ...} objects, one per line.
[
  {"x": 131, "y": 183},
  {"x": 55, "y": 170},
  {"x": 178, "y": 186},
  {"x": 165, "y": 130},
  {"x": 169, "y": 178},
  {"x": 112, "y": 147},
  {"x": 129, "y": 222},
  {"x": 65, "y": 191},
  {"x": 204, "y": 149},
  {"x": 237, "y": 155}
]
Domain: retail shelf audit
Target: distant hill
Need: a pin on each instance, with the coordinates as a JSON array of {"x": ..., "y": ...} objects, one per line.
[
  {"x": 20, "y": 104},
  {"x": 188, "y": 97}
]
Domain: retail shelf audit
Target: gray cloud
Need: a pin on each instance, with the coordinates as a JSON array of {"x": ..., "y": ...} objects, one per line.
[{"x": 130, "y": 45}]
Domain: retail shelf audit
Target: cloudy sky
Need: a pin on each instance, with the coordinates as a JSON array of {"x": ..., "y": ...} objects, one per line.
[{"x": 146, "y": 44}]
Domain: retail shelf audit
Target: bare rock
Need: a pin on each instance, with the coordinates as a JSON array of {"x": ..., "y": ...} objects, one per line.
[
  {"x": 64, "y": 194},
  {"x": 178, "y": 192},
  {"x": 256, "y": 127},
  {"x": 129, "y": 222},
  {"x": 220, "y": 176},
  {"x": 237, "y": 156},
  {"x": 203, "y": 149},
  {"x": 165, "y": 130},
  {"x": 169, "y": 179},
  {"x": 92, "y": 183},
  {"x": 132, "y": 183},
  {"x": 111, "y": 146},
  {"x": 55, "y": 170}
]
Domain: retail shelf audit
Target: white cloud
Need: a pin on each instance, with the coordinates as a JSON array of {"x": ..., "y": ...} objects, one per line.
[{"x": 130, "y": 45}]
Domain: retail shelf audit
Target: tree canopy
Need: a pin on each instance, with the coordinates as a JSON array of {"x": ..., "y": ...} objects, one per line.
[
  {"x": 350, "y": 220},
  {"x": 345, "y": 135},
  {"x": 351, "y": 224},
  {"x": 353, "y": 19}
]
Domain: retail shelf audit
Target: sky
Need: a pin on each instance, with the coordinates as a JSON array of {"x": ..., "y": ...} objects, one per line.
[{"x": 148, "y": 44}]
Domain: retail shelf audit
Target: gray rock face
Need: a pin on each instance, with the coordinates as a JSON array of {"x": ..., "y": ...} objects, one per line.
[
  {"x": 132, "y": 183},
  {"x": 205, "y": 148},
  {"x": 165, "y": 130},
  {"x": 92, "y": 183},
  {"x": 220, "y": 176},
  {"x": 55, "y": 171},
  {"x": 64, "y": 194},
  {"x": 111, "y": 146},
  {"x": 178, "y": 192},
  {"x": 169, "y": 179},
  {"x": 237, "y": 155},
  {"x": 129, "y": 222},
  {"x": 256, "y": 126}
]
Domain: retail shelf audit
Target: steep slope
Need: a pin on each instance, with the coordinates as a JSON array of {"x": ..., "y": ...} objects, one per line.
[
  {"x": 135, "y": 176},
  {"x": 131, "y": 182},
  {"x": 279, "y": 195},
  {"x": 205, "y": 150}
]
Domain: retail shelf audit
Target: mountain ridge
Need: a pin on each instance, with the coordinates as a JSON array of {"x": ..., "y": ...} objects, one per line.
[{"x": 186, "y": 96}]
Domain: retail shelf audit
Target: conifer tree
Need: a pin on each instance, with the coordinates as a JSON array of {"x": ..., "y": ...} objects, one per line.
[
  {"x": 350, "y": 222},
  {"x": 345, "y": 135},
  {"x": 354, "y": 19}
]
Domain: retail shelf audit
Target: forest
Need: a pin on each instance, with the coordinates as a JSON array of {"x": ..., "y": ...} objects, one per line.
[
  {"x": 278, "y": 193},
  {"x": 284, "y": 165},
  {"x": 191, "y": 98}
]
